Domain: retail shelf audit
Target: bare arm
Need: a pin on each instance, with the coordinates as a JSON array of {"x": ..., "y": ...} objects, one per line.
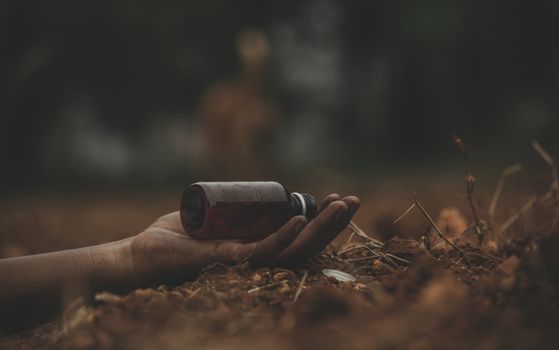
[{"x": 34, "y": 288}]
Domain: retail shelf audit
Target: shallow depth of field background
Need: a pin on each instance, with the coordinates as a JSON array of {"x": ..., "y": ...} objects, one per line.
[{"x": 110, "y": 108}]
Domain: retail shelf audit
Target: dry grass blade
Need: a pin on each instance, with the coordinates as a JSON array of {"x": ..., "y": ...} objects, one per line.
[
  {"x": 547, "y": 158},
  {"x": 383, "y": 256},
  {"x": 554, "y": 189},
  {"x": 433, "y": 224},
  {"x": 426, "y": 242},
  {"x": 462, "y": 147},
  {"x": 469, "y": 178},
  {"x": 404, "y": 214},
  {"x": 439, "y": 232},
  {"x": 256, "y": 289},
  {"x": 362, "y": 258},
  {"x": 390, "y": 261},
  {"x": 525, "y": 208},
  {"x": 350, "y": 237},
  {"x": 375, "y": 253},
  {"x": 347, "y": 250},
  {"x": 398, "y": 258},
  {"x": 499, "y": 188},
  {"x": 389, "y": 258},
  {"x": 301, "y": 285},
  {"x": 551, "y": 194},
  {"x": 359, "y": 232},
  {"x": 374, "y": 244}
]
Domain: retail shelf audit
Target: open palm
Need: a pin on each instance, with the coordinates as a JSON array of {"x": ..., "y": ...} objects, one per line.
[{"x": 164, "y": 253}]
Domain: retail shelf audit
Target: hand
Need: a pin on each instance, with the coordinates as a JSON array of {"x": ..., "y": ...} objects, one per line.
[
  {"x": 34, "y": 286},
  {"x": 163, "y": 253}
]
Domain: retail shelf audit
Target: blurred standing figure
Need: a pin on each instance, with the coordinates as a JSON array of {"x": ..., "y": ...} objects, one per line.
[{"x": 238, "y": 120}]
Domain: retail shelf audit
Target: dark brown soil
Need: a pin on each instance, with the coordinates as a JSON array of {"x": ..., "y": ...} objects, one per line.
[{"x": 503, "y": 293}]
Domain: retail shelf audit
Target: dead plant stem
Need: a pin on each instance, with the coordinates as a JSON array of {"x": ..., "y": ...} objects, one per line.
[
  {"x": 301, "y": 285},
  {"x": 499, "y": 188}
]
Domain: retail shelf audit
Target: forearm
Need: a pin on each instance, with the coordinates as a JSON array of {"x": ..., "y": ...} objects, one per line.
[{"x": 37, "y": 286}]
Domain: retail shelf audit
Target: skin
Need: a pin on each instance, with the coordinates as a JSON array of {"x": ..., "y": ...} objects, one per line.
[{"x": 34, "y": 288}]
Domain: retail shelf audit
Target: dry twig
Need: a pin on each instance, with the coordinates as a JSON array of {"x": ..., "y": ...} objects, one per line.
[
  {"x": 377, "y": 254},
  {"x": 301, "y": 285},
  {"x": 256, "y": 289},
  {"x": 554, "y": 188},
  {"x": 359, "y": 232},
  {"x": 384, "y": 256},
  {"x": 499, "y": 188},
  {"x": 362, "y": 258},
  {"x": 404, "y": 213},
  {"x": 523, "y": 210},
  {"x": 439, "y": 232},
  {"x": 347, "y": 250},
  {"x": 469, "y": 178},
  {"x": 551, "y": 195},
  {"x": 425, "y": 238},
  {"x": 350, "y": 237},
  {"x": 371, "y": 245},
  {"x": 397, "y": 258},
  {"x": 434, "y": 225}
]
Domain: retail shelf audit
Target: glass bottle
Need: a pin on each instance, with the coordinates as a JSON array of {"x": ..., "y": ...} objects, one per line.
[{"x": 240, "y": 210}]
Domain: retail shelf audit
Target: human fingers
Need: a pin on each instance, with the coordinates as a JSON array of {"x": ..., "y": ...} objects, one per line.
[
  {"x": 353, "y": 204},
  {"x": 267, "y": 250},
  {"x": 318, "y": 233},
  {"x": 327, "y": 200}
]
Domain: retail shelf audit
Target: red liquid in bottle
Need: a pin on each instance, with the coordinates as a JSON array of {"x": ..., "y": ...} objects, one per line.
[{"x": 240, "y": 210}]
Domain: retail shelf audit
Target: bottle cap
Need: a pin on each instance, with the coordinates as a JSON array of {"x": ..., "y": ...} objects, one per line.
[{"x": 303, "y": 204}]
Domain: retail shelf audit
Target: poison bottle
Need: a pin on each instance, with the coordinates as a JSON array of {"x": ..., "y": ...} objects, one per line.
[{"x": 240, "y": 210}]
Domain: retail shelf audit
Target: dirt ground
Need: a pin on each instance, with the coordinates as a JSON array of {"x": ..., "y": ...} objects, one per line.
[{"x": 494, "y": 284}]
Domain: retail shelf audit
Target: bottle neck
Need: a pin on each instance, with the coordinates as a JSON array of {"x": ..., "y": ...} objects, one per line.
[{"x": 303, "y": 204}]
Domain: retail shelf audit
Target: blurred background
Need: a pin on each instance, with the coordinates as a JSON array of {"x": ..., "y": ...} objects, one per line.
[{"x": 109, "y": 108}]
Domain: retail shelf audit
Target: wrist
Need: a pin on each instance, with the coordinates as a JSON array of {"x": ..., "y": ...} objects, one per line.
[
  {"x": 145, "y": 257},
  {"x": 113, "y": 267},
  {"x": 160, "y": 257}
]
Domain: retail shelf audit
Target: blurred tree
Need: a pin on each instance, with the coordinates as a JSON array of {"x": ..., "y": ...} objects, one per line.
[
  {"x": 238, "y": 119},
  {"x": 357, "y": 81}
]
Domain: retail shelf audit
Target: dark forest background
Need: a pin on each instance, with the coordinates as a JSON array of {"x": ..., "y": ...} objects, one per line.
[{"x": 107, "y": 92}]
